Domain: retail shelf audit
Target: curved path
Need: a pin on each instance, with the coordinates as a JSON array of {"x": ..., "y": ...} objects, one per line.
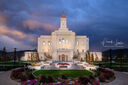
[
  {"x": 121, "y": 79},
  {"x": 5, "y": 79}
]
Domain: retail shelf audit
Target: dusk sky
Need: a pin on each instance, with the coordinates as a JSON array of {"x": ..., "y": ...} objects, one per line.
[{"x": 23, "y": 21}]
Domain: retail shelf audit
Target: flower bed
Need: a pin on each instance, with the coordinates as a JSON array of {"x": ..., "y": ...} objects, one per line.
[
  {"x": 106, "y": 75},
  {"x": 21, "y": 74},
  {"x": 62, "y": 64},
  {"x": 60, "y": 77}
]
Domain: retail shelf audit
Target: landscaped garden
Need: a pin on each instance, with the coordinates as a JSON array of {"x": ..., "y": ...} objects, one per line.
[{"x": 61, "y": 77}]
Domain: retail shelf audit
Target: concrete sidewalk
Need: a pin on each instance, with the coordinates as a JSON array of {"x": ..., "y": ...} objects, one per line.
[
  {"x": 121, "y": 79},
  {"x": 5, "y": 79}
]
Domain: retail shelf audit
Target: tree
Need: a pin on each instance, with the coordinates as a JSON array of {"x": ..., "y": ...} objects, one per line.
[
  {"x": 110, "y": 57},
  {"x": 120, "y": 57},
  {"x": 4, "y": 55},
  {"x": 14, "y": 58},
  {"x": 92, "y": 58},
  {"x": 96, "y": 59},
  {"x": 87, "y": 57}
]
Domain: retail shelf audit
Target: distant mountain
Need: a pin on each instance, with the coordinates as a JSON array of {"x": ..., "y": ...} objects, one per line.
[{"x": 115, "y": 52}]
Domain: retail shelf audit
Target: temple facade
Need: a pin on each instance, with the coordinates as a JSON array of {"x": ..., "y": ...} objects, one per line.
[{"x": 63, "y": 44}]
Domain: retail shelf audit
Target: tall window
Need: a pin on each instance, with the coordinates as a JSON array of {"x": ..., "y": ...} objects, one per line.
[
  {"x": 63, "y": 41},
  {"x": 59, "y": 41},
  {"x": 49, "y": 43},
  {"x": 43, "y": 42},
  {"x": 77, "y": 43},
  {"x": 66, "y": 41}
]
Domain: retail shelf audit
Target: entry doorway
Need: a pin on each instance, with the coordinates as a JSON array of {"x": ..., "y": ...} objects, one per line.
[{"x": 63, "y": 57}]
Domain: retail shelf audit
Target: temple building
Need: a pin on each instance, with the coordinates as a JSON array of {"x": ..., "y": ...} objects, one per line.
[{"x": 62, "y": 45}]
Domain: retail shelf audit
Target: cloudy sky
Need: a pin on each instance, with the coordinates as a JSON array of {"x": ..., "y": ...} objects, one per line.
[{"x": 23, "y": 21}]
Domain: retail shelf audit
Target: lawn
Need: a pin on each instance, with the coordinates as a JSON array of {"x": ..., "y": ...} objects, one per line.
[
  {"x": 58, "y": 73},
  {"x": 10, "y": 65}
]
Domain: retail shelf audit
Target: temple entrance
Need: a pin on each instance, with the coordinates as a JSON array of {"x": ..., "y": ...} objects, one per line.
[{"x": 63, "y": 57}]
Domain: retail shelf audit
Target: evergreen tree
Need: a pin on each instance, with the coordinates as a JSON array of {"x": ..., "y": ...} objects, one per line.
[
  {"x": 4, "y": 55},
  {"x": 89, "y": 56},
  {"x": 92, "y": 58},
  {"x": 96, "y": 59},
  {"x": 120, "y": 57},
  {"x": 14, "y": 58}
]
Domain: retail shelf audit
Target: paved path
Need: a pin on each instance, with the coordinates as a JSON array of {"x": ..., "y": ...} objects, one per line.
[
  {"x": 5, "y": 79},
  {"x": 121, "y": 79}
]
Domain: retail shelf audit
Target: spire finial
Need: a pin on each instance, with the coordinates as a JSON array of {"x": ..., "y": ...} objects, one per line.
[{"x": 63, "y": 15}]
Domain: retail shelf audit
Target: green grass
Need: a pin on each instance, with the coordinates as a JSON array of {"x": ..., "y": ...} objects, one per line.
[{"x": 68, "y": 73}]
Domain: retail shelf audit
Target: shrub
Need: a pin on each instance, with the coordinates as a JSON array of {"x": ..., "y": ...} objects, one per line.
[
  {"x": 63, "y": 77},
  {"x": 105, "y": 75},
  {"x": 96, "y": 73},
  {"x": 23, "y": 78},
  {"x": 16, "y": 74},
  {"x": 30, "y": 76},
  {"x": 50, "y": 79},
  {"x": 102, "y": 77},
  {"x": 83, "y": 80},
  {"x": 42, "y": 79}
]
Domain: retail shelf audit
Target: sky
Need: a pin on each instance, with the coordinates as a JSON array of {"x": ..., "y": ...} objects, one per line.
[{"x": 23, "y": 21}]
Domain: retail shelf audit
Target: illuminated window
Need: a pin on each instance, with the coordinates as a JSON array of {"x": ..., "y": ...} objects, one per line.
[
  {"x": 49, "y": 43},
  {"x": 77, "y": 43},
  {"x": 59, "y": 41},
  {"x": 43, "y": 42},
  {"x": 66, "y": 41},
  {"x": 63, "y": 41}
]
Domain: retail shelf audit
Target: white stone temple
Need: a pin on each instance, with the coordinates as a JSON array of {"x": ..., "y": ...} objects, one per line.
[{"x": 62, "y": 45}]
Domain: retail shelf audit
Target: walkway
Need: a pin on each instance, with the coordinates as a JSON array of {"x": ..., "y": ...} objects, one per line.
[
  {"x": 121, "y": 79},
  {"x": 5, "y": 79}
]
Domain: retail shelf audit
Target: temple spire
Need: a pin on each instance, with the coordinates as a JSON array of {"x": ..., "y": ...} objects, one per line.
[
  {"x": 63, "y": 15},
  {"x": 63, "y": 21}
]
